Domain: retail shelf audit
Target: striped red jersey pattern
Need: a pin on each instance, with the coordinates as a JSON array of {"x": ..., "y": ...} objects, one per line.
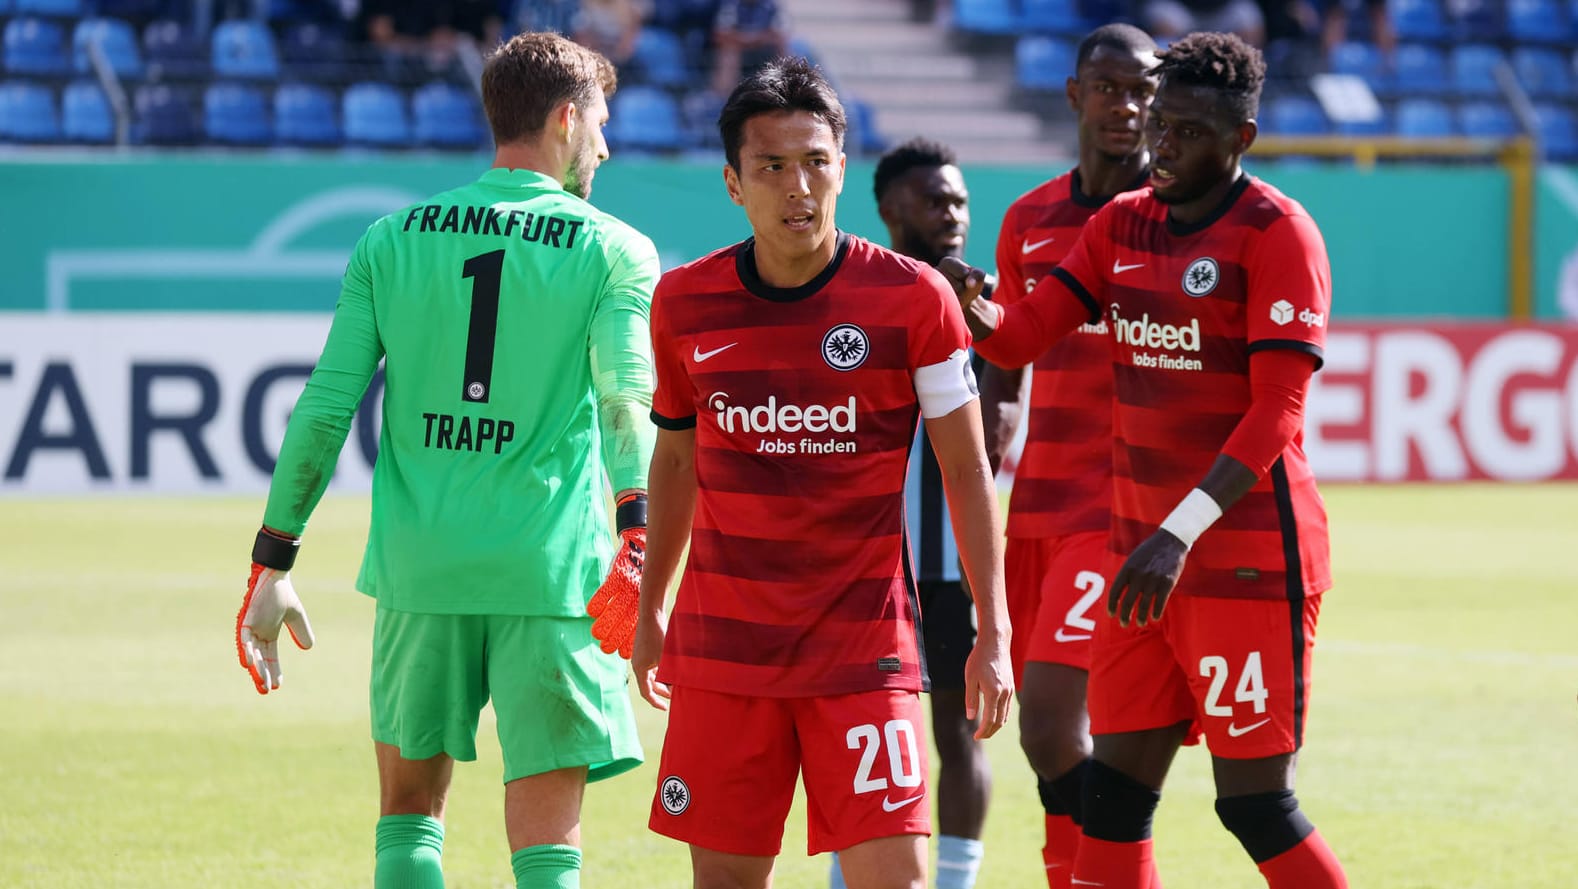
[
  {"x": 1187, "y": 305},
  {"x": 1063, "y": 484},
  {"x": 804, "y": 405}
]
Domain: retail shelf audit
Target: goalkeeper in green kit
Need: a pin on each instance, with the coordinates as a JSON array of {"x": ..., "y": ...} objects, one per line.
[{"x": 511, "y": 317}]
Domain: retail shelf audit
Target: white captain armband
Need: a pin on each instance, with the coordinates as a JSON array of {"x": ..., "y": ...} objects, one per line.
[{"x": 944, "y": 386}]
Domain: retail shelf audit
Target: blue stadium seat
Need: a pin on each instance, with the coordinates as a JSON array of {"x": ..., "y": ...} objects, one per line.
[
  {"x": 1537, "y": 21},
  {"x": 1424, "y": 118},
  {"x": 1295, "y": 116},
  {"x": 163, "y": 116},
  {"x": 304, "y": 114},
  {"x": 1364, "y": 61},
  {"x": 85, "y": 114},
  {"x": 645, "y": 118},
  {"x": 446, "y": 116},
  {"x": 313, "y": 51},
  {"x": 117, "y": 41},
  {"x": 1043, "y": 63},
  {"x": 132, "y": 10},
  {"x": 1476, "y": 20},
  {"x": 1558, "y": 131},
  {"x": 1419, "y": 70},
  {"x": 1486, "y": 120},
  {"x": 236, "y": 114},
  {"x": 27, "y": 113},
  {"x": 59, "y": 8},
  {"x": 1420, "y": 20},
  {"x": 986, "y": 16},
  {"x": 699, "y": 111},
  {"x": 1473, "y": 69},
  {"x": 864, "y": 137},
  {"x": 1542, "y": 72},
  {"x": 37, "y": 47},
  {"x": 1052, "y": 17},
  {"x": 173, "y": 51},
  {"x": 244, "y": 49},
  {"x": 375, "y": 114},
  {"x": 659, "y": 58}
]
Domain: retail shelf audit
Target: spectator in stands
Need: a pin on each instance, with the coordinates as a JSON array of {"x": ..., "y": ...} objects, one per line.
[
  {"x": 746, "y": 33},
  {"x": 610, "y": 27},
  {"x": 430, "y": 32},
  {"x": 1334, "y": 24},
  {"x": 1169, "y": 20}
]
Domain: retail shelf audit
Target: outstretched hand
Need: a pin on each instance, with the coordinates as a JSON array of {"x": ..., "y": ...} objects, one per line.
[{"x": 967, "y": 281}]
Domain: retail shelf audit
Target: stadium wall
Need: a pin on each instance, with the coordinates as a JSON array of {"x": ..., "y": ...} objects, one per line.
[{"x": 165, "y": 314}]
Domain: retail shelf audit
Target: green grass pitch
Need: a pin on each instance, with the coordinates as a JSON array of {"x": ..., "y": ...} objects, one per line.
[{"x": 1442, "y": 751}]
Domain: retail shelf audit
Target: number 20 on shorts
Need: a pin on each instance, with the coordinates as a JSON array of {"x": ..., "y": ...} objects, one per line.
[{"x": 898, "y": 738}]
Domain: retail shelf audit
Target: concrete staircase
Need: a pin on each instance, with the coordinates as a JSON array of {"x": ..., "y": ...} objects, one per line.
[{"x": 921, "y": 83}]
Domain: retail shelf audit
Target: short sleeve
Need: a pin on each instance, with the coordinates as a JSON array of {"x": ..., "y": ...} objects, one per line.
[
  {"x": 937, "y": 330},
  {"x": 1289, "y": 302},
  {"x": 674, "y": 401}
]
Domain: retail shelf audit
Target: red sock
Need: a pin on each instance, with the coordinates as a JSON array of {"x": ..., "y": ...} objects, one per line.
[
  {"x": 1058, "y": 853},
  {"x": 1113, "y": 865},
  {"x": 1309, "y": 865}
]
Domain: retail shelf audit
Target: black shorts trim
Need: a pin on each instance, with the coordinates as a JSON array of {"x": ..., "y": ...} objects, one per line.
[
  {"x": 919, "y": 626},
  {"x": 673, "y": 424},
  {"x": 1295, "y": 590}
]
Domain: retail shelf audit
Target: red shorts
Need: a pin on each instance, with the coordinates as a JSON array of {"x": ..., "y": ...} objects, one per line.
[
  {"x": 729, "y": 766},
  {"x": 1056, "y": 588},
  {"x": 1238, "y": 668}
]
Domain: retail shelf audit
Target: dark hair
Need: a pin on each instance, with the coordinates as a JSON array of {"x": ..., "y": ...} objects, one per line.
[
  {"x": 1223, "y": 62},
  {"x": 533, "y": 73},
  {"x": 1124, "y": 38},
  {"x": 784, "y": 84},
  {"x": 917, "y": 152}
]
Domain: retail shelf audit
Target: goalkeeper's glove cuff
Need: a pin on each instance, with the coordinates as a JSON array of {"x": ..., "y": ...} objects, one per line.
[
  {"x": 631, "y": 512},
  {"x": 272, "y": 550}
]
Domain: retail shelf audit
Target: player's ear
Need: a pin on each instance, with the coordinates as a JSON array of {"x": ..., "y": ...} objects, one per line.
[
  {"x": 1247, "y": 131},
  {"x": 843, "y": 160},
  {"x": 1071, "y": 91},
  {"x": 564, "y": 118},
  {"x": 731, "y": 182}
]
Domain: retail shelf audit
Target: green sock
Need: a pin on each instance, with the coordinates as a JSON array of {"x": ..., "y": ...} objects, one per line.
[
  {"x": 410, "y": 853},
  {"x": 547, "y": 867}
]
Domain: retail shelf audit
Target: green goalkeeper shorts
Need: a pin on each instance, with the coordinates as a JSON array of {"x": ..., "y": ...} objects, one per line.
[{"x": 560, "y": 702}]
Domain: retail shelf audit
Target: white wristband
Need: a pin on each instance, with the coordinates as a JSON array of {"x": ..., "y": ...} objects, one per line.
[{"x": 1192, "y": 516}]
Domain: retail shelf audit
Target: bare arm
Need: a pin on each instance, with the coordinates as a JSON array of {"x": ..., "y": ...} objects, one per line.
[
  {"x": 671, "y": 506},
  {"x": 956, "y": 439},
  {"x": 1002, "y": 406}
]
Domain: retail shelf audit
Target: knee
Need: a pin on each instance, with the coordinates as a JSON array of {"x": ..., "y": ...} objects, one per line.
[
  {"x": 956, "y": 744},
  {"x": 1118, "y": 808},
  {"x": 1266, "y": 824},
  {"x": 1053, "y": 746}
]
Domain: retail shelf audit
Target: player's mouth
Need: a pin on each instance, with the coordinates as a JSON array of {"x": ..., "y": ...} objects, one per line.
[
  {"x": 1162, "y": 177},
  {"x": 800, "y": 222}
]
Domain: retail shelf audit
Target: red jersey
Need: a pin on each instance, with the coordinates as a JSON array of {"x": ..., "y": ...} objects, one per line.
[
  {"x": 1186, "y": 306},
  {"x": 1063, "y": 484},
  {"x": 804, "y": 402}
]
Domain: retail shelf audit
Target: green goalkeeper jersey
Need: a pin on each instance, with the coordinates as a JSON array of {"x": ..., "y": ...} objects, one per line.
[{"x": 492, "y": 306}]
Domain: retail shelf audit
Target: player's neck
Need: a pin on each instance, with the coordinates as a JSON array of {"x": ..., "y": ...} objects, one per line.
[
  {"x": 777, "y": 268},
  {"x": 528, "y": 157},
  {"x": 1102, "y": 176},
  {"x": 1202, "y": 207}
]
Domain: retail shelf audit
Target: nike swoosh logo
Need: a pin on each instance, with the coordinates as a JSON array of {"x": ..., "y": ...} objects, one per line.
[
  {"x": 701, "y": 356},
  {"x": 1030, "y": 248},
  {"x": 1234, "y": 731},
  {"x": 1063, "y": 635},
  {"x": 889, "y": 806},
  {"x": 1119, "y": 268}
]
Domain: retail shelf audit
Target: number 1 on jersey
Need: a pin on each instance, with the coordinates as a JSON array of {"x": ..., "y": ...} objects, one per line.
[{"x": 485, "y": 271}]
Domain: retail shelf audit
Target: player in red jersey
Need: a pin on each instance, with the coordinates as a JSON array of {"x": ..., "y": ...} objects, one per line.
[
  {"x": 1058, "y": 515},
  {"x": 791, "y": 369},
  {"x": 1217, "y": 289}
]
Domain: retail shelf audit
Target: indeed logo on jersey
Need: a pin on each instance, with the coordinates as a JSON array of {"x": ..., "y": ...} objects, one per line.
[
  {"x": 1144, "y": 333},
  {"x": 773, "y": 418}
]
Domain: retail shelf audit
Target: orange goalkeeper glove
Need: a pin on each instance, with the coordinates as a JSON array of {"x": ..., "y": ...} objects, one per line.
[
  {"x": 617, "y": 602},
  {"x": 270, "y": 602}
]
